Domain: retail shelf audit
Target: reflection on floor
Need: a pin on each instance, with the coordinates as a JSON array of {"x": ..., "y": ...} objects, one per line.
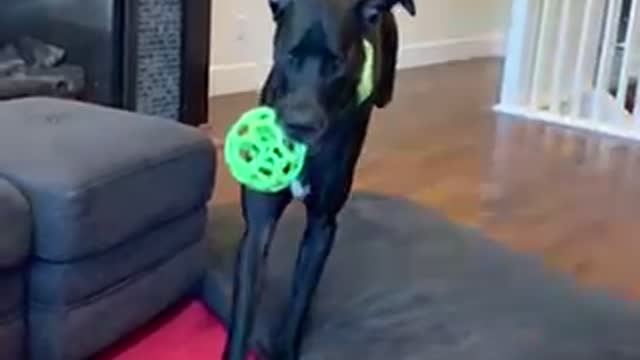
[{"x": 569, "y": 197}]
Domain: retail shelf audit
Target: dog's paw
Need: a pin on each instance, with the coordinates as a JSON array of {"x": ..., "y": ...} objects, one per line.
[
  {"x": 284, "y": 356},
  {"x": 263, "y": 351},
  {"x": 284, "y": 353}
]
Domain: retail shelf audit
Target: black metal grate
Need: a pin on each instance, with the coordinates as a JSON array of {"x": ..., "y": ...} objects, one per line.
[{"x": 159, "y": 67}]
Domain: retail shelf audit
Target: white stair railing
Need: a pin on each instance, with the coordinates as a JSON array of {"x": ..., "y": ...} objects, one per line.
[{"x": 574, "y": 63}]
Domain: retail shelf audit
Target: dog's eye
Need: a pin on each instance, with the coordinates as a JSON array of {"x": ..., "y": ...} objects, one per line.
[{"x": 371, "y": 14}]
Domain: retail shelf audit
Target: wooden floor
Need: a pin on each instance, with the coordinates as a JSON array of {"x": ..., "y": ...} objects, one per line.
[{"x": 568, "y": 197}]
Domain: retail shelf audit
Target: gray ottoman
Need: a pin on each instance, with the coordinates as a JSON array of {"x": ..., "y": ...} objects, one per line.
[
  {"x": 14, "y": 251},
  {"x": 119, "y": 205}
]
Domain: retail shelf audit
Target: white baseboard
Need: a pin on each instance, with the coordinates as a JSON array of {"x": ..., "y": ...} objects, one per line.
[
  {"x": 235, "y": 78},
  {"x": 438, "y": 52}
]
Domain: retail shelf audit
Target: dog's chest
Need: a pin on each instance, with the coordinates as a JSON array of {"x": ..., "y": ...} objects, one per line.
[
  {"x": 299, "y": 189},
  {"x": 331, "y": 170}
]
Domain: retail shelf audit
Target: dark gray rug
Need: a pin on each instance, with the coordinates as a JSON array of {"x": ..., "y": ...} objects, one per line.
[{"x": 404, "y": 283}]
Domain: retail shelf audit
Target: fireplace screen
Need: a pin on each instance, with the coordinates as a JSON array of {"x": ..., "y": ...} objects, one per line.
[{"x": 148, "y": 56}]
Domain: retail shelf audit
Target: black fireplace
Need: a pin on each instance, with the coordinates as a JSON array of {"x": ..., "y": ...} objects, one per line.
[{"x": 148, "y": 56}]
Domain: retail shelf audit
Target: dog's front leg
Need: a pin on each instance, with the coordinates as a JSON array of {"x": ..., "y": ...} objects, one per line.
[
  {"x": 312, "y": 256},
  {"x": 261, "y": 213}
]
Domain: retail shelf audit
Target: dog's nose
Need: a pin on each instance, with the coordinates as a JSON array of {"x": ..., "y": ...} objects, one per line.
[
  {"x": 301, "y": 116},
  {"x": 303, "y": 127}
]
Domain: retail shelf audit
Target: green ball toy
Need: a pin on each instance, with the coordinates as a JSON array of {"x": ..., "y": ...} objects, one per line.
[{"x": 260, "y": 155}]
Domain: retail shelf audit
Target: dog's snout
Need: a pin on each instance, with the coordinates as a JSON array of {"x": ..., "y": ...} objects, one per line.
[
  {"x": 307, "y": 131},
  {"x": 300, "y": 130},
  {"x": 302, "y": 121},
  {"x": 303, "y": 132}
]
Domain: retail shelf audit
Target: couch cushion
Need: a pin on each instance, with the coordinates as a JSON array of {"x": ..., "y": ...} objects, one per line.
[
  {"x": 97, "y": 176},
  {"x": 75, "y": 282},
  {"x": 12, "y": 290},
  {"x": 12, "y": 336},
  {"x": 15, "y": 228},
  {"x": 80, "y": 331}
]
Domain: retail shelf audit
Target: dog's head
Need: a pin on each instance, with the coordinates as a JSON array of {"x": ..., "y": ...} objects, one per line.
[{"x": 318, "y": 60}]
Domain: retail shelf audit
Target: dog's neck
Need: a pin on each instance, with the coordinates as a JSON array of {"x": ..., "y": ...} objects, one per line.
[{"x": 299, "y": 188}]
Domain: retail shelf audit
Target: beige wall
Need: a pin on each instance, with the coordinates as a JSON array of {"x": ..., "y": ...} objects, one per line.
[
  {"x": 242, "y": 33},
  {"x": 452, "y": 19}
]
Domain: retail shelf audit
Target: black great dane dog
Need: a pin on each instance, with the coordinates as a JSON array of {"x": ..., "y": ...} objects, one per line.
[{"x": 334, "y": 61}]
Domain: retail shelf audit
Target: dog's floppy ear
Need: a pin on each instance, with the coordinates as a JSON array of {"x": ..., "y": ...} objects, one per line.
[
  {"x": 370, "y": 10},
  {"x": 277, "y": 6},
  {"x": 386, "y": 60}
]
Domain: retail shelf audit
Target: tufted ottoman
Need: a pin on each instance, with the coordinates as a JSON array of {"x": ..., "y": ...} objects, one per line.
[
  {"x": 118, "y": 202},
  {"x": 14, "y": 252}
]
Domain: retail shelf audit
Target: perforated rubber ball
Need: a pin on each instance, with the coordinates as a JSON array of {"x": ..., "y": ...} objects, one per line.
[{"x": 258, "y": 153}]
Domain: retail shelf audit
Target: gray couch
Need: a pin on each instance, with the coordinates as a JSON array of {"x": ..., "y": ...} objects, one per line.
[
  {"x": 14, "y": 252},
  {"x": 102, "y": 215}
]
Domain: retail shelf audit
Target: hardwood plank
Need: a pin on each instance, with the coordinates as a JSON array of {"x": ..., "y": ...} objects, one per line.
[{"x": 569, "y": 197}]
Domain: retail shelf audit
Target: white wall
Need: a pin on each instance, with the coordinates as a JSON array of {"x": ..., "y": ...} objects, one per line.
[{"x": 444, "y": 30}]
